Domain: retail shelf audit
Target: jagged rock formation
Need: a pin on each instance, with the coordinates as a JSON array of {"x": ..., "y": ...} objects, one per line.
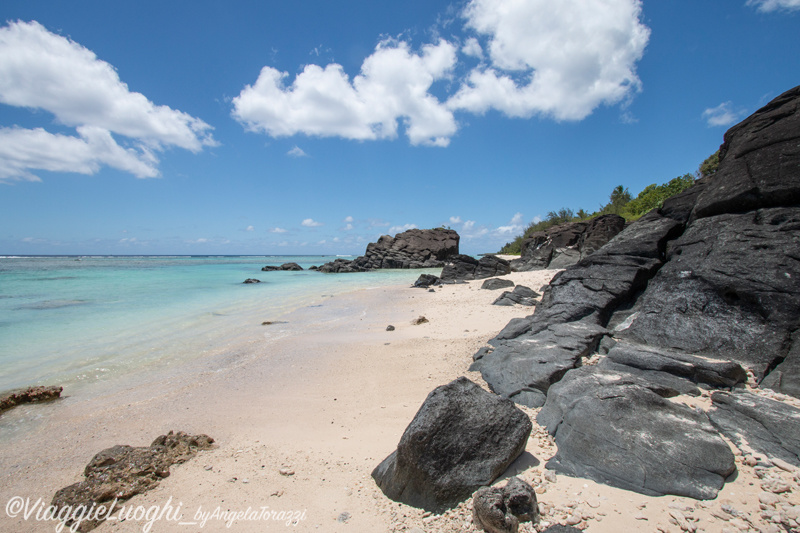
[
  {"x": 414, "y": 248},
  {"x": 464, "y": 267},
  {"x": 566, "y": 244},
  {"x": 462, "y": 438},
  {"x": 34, "y": 394},
  {"x": 521, "y": 295},
  {"x": 688, "y": 297},
  {"x": 121, "y": 472}
]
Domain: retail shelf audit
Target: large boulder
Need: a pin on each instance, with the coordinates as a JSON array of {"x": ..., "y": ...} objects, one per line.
[
  {"x": 462, "y": 438},
  {"x": 415, "y": 248},
  {"x": 617, "y": 430},
  {"x": 466, "y": 267},
  {"x": 566, "y": 244}
]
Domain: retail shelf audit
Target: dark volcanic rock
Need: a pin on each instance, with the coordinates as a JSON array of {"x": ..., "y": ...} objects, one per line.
[
  {"x": 497, "y": 283},
  {"x": 786, "y": 376},
  {"x": 521, "y": 295},
  {"x": 426, "y": 280},
  {"x": 500, "y": 510},
  {"x": 616, "y": 430},
  {"x": 291, "y": 266},
  {"x": 461, "y": 438},
  {"x": 566, "y": 244},
  {"x": 463, "y": 267},
  {"x": 766, "y": 426},
  {"x": 251, "y": 280},
  {"x": 121, "y": 472},
  {"x": 34, "y": 394},
  {"x": 414, "y": 248},
  {"x": 730, "y": 286},
  {"x": 270, "y": 268}
]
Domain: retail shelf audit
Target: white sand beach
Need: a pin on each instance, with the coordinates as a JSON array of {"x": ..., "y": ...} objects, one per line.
[{"x": 301, "y": 416}]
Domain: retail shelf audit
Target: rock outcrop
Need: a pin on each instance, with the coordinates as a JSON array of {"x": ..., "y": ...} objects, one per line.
[
  {"x": 566, "y": 244},
  {"x": 497, "y": 283},
  {"x": 462, "y": 438},
  {"x": 689, "y": 297},
  {"x": 414, "y": 248},
  {"x": 34, "y": 394},
  {"x": 466, "y": 267},
  {"x": 521, "y": 295},
  {"x": 121, "y": 472},
  {"x": 285, "y": 266}
]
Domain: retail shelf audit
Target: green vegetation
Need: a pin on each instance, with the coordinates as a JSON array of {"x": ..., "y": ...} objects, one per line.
[{"x": 620, "y": 202}]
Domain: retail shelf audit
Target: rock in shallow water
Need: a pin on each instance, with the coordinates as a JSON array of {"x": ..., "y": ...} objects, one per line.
[
  {"x": 34, "y": 394},
  {"x": 462, "y": 438}
]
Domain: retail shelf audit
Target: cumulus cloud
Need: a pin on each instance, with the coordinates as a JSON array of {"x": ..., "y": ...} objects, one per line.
[
  {"x": 472, "y": 48},
  {"x": 277, "y": 230},
  {"x": 310, "y": 223},
  {"x": 723, "y": 115},
  {"x": 250, "y": 228},
  {"x": 774, "y": 5},
  {"x": 297, "y": 152},
  {"x": 559, "y": 59},
  {"x": 393, "y": 86},
  {"x": 455, "y": 220},
  {"x": 399, "y": 229},
  {"x": 513, "y": 227},
  {"x": 40, "y": 70}
]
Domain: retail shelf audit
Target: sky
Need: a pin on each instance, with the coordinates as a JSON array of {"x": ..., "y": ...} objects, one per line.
[{"x": 273, "y": 127}]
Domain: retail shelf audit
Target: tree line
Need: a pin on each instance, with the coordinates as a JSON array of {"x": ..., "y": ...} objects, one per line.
[{"x": 620, "y": 202}]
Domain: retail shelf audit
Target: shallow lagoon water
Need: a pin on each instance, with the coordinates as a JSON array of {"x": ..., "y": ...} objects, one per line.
[{"x": 75, "y": 321}]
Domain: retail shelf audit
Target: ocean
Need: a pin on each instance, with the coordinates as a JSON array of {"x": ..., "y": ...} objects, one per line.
[{"x": 80, "y": 321}]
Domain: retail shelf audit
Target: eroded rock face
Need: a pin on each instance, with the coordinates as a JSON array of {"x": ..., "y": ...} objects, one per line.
[
  {"x": 616, "y": 429},
  {"x": 566, "y": 244},
  {"x": 689, "y": 297},
  {"x": 414, "y": 248},
  {"x": 461, "y": 438},
  {"x": 121, "y": 472},
  {"x": 466, "y": 267},
  {"x": 502, "y": 509}
]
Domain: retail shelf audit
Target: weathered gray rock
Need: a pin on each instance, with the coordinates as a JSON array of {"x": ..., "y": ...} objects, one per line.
[
  {"x": 426, "y": 280},
  {"x": 766, "y": 426},
  {"x": 521, "y": 295},
  {"x": 566, "y": 244},
  {"x": 613, "y": 429},
  {"x": 785, "y": 377},
  {"x": 730, "y": 288},
  {"x": 715, "y": 372},
  {"x": 497, "y": 283},
  {"x": 524, "y": 369},
  {"x": 502, "y": 509},
  {"x": 122, "y": 472},
  {"x": 465, "y": 267},
  {"x": 291, "y": 267},
  {"x": 250, "y": 281},
  {"x": 461, "y": 438},
  {"x": 35, "y": 394},
  {"x": 414, "y": 248}
]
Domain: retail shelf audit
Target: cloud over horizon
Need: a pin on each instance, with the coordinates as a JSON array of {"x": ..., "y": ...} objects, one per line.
[
  {"x": 775, "y": 5},
  {"x": 40, "y": 70}
]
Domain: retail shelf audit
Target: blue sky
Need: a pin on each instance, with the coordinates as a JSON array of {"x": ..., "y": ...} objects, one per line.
[{"x": 197, "y": 127}]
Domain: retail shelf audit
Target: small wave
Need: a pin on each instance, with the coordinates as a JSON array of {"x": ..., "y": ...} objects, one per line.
[{"x": 53, "y": 304}]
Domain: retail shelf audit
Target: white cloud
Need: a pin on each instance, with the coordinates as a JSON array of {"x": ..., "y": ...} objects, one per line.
[
  {"x": 472, "y": 48},
  {"x": 348, "y": 219},
  {"x": 774, "y": 5},
  {"x": 455, "y": 220},
  {"x": 297, "y": 152},
  {"x": 399, "y": 229},
  {"x": 723, "y": 115},
  {"x": 311, "y": 223},
  {"x": 559, "y": 59},
  {"x": 514, "y": 226},
  {"x": 468, "y": 225},
  {"x": 393, "y": 85},
  {"x": 277, "y": 230},
  {"x": 45, "y": 71},
  {"x": 250, "y": 228}
]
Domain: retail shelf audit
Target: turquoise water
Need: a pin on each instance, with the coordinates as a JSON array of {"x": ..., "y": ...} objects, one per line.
[{"x": 71, "y": 321}]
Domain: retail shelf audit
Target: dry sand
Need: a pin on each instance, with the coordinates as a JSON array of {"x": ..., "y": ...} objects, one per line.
[{"x": 323, "y": 395}]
